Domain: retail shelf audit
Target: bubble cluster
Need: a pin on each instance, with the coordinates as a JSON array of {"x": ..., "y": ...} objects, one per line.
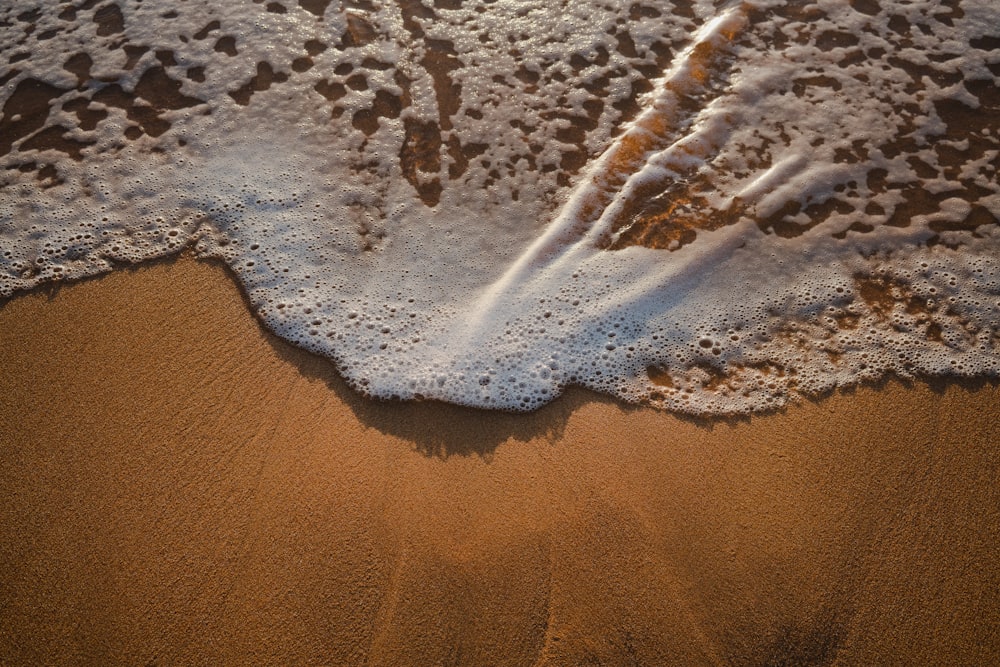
[{"x": 711, "y": 207}]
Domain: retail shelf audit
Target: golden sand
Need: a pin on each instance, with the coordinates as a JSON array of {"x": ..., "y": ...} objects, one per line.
[{"x": 178, "y": 486}]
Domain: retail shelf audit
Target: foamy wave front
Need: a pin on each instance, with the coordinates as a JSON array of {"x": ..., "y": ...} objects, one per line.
[{"x": 710, "y": 207}]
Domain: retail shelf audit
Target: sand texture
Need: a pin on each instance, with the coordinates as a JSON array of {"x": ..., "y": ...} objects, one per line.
[{"x": 177, "y": 486}]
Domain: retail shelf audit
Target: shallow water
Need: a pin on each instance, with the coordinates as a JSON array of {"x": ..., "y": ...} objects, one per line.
[{"x": 708, "y": 206}]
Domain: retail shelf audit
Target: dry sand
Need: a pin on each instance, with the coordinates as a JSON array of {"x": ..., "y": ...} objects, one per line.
[{"x": 177, "y": 486}]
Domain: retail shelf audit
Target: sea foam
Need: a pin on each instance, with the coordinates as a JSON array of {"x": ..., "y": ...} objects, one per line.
[{"x": 711, "y": 207}]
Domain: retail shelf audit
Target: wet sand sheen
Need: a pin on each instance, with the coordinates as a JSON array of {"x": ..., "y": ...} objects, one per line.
[{"x": 180, "y": 487}]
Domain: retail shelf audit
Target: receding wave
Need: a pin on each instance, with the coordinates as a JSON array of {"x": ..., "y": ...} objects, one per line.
[{"x": 709, "y": 207}]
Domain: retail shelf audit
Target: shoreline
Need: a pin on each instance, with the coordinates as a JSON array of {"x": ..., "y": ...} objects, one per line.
[
  {"x": 181, "y": 486},
  {"x": 314, "y": 364}
]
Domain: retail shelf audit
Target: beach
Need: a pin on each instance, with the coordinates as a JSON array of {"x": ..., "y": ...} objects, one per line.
[
  {"x": 179, "y": 486},
  {"x": 747, "y": 213}
]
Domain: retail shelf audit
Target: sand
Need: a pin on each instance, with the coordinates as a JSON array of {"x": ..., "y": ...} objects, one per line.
[{"x": 178, "y": 486}]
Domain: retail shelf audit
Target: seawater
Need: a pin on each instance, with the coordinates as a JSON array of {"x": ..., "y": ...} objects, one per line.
[{"x": 711, "y": 207}]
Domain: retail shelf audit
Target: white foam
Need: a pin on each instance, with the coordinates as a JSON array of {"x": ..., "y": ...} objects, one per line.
[{"x": 461, "y": 251}]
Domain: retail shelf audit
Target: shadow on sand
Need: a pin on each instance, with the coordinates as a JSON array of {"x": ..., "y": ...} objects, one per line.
[{"x": 441, "y": 429}]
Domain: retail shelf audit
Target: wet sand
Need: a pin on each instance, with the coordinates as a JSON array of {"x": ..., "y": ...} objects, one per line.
[{"x": 177, "y": 486}]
